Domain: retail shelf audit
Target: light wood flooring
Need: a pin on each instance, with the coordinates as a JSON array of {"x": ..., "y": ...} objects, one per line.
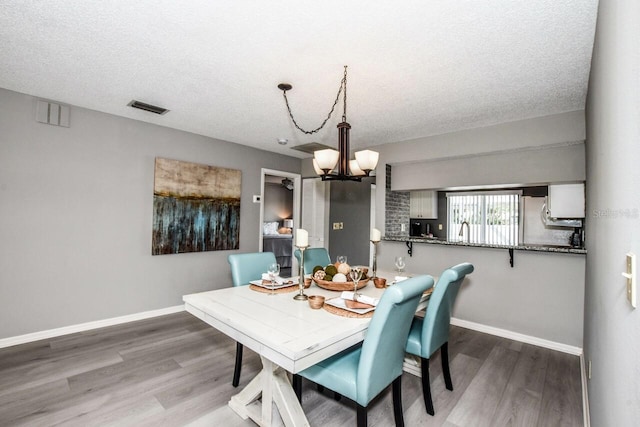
[{"x": 175, "y": 370}]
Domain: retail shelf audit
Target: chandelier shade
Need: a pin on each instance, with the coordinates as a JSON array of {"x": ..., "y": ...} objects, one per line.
[
  {"x": 367, "y": 160},
  {"x": 354, "y": 167},
  {"x": 325, "y": 161}
]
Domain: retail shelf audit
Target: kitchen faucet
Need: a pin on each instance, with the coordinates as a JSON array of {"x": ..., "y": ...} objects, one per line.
[{"x": 461, "y": 233}]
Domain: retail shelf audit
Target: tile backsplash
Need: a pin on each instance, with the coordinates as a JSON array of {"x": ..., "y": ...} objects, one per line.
[{"x": 396, "y": 209}]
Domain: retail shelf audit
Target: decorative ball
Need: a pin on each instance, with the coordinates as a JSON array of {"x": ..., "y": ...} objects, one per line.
[
  {"x": 319, "y": 275},
  {"x": 344, "y": 268},
  {"x": 330, "y": 270},
  {"x": 339, "y": 278}
]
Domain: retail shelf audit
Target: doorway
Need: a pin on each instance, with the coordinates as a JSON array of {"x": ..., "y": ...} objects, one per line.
[{"x": 280, "y": 216}]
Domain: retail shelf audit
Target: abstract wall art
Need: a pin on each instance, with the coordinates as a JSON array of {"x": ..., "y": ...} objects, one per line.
[{"x": 196, "y": 207}]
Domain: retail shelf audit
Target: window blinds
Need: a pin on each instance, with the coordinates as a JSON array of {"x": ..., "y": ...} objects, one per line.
[{"x": 492, "y": 217}]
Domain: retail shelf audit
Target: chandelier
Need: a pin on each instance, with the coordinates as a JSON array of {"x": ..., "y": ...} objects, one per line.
[{"x": 325, "y": 161}]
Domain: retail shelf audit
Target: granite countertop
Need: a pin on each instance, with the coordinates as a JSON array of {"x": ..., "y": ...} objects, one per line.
[{"x": 528, "y": 247}]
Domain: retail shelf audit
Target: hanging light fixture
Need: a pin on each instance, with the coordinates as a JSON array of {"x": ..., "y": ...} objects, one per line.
[{"x": 325, "y": 161}]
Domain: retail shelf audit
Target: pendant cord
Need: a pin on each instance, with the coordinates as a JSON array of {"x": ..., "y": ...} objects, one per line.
[{"x": 343, "y": 86}]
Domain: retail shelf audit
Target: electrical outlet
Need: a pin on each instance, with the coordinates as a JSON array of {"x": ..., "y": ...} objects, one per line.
[
  {"x": 439, "y": 226},
  {"x": 402, "y": 227},
  {"x": 341, "y": 226},
  {"x": 336, "y": 226}
]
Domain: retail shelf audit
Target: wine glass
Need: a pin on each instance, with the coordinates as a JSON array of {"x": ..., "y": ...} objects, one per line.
[
  {"x": 342, "y": 259},
  {"x": 356, "y": 275},
  {"x": 274, "y": 271},
  {"x": 400, "y": 264}
]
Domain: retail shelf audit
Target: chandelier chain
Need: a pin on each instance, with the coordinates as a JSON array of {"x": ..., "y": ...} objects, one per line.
[{"x": 343, "y": 87}]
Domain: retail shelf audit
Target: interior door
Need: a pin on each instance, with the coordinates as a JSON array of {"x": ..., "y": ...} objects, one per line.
[
  {"x": 268, "y": 175},
  {"x": 315, "y": 211}
]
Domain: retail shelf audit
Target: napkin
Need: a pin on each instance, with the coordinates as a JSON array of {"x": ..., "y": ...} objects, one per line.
[
  {"x": 400, "y": 278},
  {"x": 361, "y": 298},
  {"x": 279, "y": 280}
]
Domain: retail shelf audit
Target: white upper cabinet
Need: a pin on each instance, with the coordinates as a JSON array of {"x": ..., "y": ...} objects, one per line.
[
  {"x": 423, "y": 204},
  {"x": 566, "y": 201}
]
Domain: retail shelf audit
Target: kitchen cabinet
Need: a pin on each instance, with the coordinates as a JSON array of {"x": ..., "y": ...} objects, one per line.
[
  {"x": 423, "y": 204},
  {"x": 566, "y": 201}
]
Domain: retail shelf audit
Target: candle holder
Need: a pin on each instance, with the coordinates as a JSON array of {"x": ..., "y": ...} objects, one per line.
[
  {"x": 301, "y": 296},
  {"x": 375, "y": 258}
]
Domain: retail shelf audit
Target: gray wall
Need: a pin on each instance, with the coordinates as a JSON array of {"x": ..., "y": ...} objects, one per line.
[
  {"x": 75, "y": 235},
  {"x": 533, "y": 166},
  {"x": 278, "y": 202},
  {"x": 501, "y": 297},
  {"x": 612, "y": 327},
  {"x": 541, "y": 296},
  {"x": 350, "y": 204}
]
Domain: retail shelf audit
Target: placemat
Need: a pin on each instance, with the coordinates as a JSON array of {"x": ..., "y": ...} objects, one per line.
[
  {"x": 291, "y": 288},
  {"x": 346, "y": 313}
]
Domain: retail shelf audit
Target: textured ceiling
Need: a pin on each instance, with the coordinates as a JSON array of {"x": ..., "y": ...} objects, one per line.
[{"x": 416, "y": 68}]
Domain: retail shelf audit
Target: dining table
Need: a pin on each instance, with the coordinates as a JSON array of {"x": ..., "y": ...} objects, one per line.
[{"x": 287, "y": 334}]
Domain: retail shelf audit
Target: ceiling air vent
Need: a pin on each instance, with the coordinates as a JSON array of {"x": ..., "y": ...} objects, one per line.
[
  {"x": 147, "y": 107},
  {"x": 311, "y": 147}
]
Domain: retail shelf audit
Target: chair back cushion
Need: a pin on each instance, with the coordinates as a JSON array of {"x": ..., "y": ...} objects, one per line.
[
  {"x": 435, "y": 327},
  {"x": 382, "y": 353},
  {"x": 313, "y": 257},
  {"x": 250, "y": 266}
]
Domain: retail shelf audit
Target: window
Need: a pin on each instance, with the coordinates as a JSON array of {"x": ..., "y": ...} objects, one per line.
[{"x": 492, "y": 217}]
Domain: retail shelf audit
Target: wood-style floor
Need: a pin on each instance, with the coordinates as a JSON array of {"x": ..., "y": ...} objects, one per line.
[{"x": 175, "y": 370}]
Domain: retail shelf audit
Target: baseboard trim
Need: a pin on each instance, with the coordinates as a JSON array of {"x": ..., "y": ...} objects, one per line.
[
  {"x": 552, "y": 345},
  {"x": 586, "y": 418},
  {"x": 82, "y": 327}
]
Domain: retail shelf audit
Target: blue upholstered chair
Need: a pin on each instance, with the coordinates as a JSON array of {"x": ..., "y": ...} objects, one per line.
[
  {"x": 244, "y": 268},
  {"x": 313, "y": 257},
  {"x": 432, "y": 333},
  {"x": 360, "y": 373}
]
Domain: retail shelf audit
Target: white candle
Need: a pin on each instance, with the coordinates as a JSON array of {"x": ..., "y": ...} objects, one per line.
[
  {"x": 302, "y": 237},
  {"x": 375, "y": 235}
]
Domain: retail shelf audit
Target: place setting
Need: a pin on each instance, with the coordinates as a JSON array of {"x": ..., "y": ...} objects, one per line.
[{"x": 271, "y": 283}]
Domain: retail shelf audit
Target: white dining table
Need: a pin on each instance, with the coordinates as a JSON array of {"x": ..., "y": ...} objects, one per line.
[{"x": 288, "y": 335}]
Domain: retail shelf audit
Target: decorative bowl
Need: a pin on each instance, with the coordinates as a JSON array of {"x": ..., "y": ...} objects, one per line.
[
  {"x": 316, "y": 301},
  {"x": 380, "y": 282},
  {"x": 340, "y": 286},
  {"x": 307, "y": 282}
]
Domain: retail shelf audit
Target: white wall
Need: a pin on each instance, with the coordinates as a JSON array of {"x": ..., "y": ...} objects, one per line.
[
  {"x": 612, "y": 327},
  {"x": 76, "y": 210}
]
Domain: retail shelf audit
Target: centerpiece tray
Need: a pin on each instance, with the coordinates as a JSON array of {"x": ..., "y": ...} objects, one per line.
[{"x": 341, "y": 286}]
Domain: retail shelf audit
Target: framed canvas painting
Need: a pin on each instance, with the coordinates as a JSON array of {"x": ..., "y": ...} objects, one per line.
[{"x": 196, "y": 207}]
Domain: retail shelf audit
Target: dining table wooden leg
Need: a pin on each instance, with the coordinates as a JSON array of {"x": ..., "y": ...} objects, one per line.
[
  {"x": 272, "y": 383},
  {"x": 286, "y": 401},
  {"x": 244, "y": 403},
  {"x": 267, "y": 391}
]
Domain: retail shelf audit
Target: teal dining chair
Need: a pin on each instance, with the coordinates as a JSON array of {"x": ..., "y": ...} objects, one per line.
[
  {"x": 313, "y": 257},
  {"x": 362, "y": 372},
  {"x": 432, "y": 333},
  {"x": 244, "y": 268}
]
